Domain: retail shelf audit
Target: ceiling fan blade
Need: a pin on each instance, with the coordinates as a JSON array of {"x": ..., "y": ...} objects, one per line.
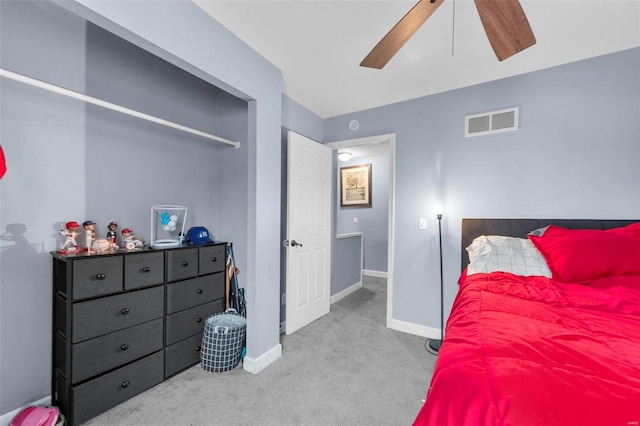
[
  {"x": 506, "y": 26},
  {"x": 400, "y": 34}
]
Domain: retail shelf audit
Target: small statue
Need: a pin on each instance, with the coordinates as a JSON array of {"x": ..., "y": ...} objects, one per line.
[
  {"x": 130, "y": 241},
  {"x": 89, "y": 234},
  {"x": 69, "y": 234},
  {"x": 112, "y": 235}
]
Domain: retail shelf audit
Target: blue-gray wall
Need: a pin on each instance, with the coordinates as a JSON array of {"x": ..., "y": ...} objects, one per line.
[
  {"x": 346, "y": 262},
  {"x": 373, "y": 221},
  {"x": 132, "y": 165},
  {"x": 300, "y": 119},
  {"x": 576, "y": 155},
  {"x": 71, "y": 161}
]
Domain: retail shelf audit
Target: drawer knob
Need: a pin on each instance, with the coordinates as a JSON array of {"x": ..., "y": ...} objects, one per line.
[
  {"x": 199, "y": 291},
  {"x": 185, "y": 263},
  {"x": 125, "y": 311},
  {"x": 101, "y": 276},
  {"x": 198, "y": 319},
  {"x": 125, "y": 384},
  {"x": 197, "y": 348},
  {"x": 124, "y": 347},
  {"x": 214, "y": 259},
  {"x": 146, "y": 269}
]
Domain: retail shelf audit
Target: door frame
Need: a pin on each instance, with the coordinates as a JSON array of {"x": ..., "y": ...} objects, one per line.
[{"x": 391, "y": 138}]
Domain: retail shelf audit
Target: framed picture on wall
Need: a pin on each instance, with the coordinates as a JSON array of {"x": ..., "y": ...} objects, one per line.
[{"x": 355, "y": 185}]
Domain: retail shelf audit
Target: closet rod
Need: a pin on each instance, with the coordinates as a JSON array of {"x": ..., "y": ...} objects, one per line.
[{"x": 70, "y": 93}]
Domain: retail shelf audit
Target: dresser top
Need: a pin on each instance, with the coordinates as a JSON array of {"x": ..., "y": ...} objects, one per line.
[{"x": 147, "y": 249}]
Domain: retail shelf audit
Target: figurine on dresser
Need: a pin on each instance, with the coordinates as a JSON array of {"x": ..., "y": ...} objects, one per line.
[
  {"x": 69, "y": 233},
  {"x": 112, "y": 235},
  {"x": 130, "y": 241},
  {"x": 89, "y": 234}
]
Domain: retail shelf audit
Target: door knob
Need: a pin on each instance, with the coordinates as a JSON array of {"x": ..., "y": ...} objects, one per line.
[{"x": 295, "y": 243}]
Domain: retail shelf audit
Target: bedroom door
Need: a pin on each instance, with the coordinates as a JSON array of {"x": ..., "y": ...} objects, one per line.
[{"x": 308, "y": 240}]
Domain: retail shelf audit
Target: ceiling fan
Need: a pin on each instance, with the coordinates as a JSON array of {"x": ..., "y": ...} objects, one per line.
[{"x": 504, "y": 22}]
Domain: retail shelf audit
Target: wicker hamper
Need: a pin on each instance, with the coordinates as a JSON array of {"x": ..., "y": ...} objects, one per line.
[{"x": 223, "y": 341}]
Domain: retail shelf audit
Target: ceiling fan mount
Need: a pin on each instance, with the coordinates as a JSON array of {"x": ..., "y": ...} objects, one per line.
[{"x": 504, "y": 22}]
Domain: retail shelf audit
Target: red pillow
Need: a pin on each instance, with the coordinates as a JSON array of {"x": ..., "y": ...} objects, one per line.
[
  {"x": 633, "y": 229},
  {"x": 582, "y": 255}
]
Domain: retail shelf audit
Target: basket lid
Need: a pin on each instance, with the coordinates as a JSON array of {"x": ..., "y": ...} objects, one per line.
[{"x": 227, "y": 320}]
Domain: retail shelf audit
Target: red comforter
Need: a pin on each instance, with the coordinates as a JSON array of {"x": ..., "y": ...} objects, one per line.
[{"x": 533, "y": 351}]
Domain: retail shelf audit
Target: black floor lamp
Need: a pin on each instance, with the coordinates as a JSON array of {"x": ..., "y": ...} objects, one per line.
[{"x": 432, "y": 345}]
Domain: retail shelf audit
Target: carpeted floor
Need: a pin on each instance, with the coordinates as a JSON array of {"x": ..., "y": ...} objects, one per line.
[{"x": 346, "y": 368}]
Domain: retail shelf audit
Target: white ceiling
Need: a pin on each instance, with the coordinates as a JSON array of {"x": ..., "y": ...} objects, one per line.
[
  {"x": 367, "y": 150},
  {"x": 318, "y": 45}
]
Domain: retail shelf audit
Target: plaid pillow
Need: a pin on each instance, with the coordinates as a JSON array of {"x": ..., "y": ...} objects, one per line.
[{"x": 517, "y": 256}]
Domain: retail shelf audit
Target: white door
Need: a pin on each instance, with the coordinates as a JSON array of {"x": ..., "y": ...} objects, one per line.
[{"x": 308, "y": 282}]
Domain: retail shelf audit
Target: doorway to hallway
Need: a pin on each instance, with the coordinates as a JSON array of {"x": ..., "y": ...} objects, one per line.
[{"x": 350, "y": 222}]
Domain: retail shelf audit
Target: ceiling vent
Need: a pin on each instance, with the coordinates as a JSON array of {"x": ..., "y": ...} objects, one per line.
[{"x": 504, "y": 120}]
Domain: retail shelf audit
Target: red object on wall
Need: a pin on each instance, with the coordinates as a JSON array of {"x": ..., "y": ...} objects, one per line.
[{"x": 3, "y": 164}]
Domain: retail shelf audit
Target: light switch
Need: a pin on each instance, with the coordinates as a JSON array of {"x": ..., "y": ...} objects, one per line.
[
  {"x": 355, "y": 219},
  {"x": 422, "y": 223}
]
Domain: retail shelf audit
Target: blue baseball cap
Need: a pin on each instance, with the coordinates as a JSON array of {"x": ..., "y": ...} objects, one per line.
[{"x": 198, "y": 235}]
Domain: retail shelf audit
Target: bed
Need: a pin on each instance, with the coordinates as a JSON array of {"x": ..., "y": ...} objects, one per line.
[{"x": 525, "y": 345}]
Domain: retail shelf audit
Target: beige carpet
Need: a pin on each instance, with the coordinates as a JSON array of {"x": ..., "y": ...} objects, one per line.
[{"x": 346, "y": 368}]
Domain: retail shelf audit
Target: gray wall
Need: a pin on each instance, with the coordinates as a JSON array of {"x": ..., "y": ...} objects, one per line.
[
  {"x": 301, "y": 120},
  {"x": 576, "y": 155},
  {"x": 71, "y": 161},
  {"x": 132, "y": 165},
  {"x": 43, "y": 139},
  {"x": 373, "y": 221},
  {"x": 345, "y": 265}
]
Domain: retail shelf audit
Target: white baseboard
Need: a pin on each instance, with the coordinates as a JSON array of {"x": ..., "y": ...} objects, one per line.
[
  {"x": 6, "y": 418},
  {"x": 377, "y": 274},
  {"x": 347, "y": 291},
  {"x": 418, "y": 330},
  {"x": 256, "y": 365}
]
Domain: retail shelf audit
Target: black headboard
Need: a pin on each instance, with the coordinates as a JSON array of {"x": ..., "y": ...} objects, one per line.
[{"x": 472, "y": 228}]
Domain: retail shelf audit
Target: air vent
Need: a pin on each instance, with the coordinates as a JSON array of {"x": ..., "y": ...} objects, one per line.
[{"x": 504, "y": 120}]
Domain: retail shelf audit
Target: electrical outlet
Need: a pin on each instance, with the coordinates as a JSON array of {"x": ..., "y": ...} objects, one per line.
[
  {"x": 422, "y": 223},
  {"x": 355, "y": 219}
]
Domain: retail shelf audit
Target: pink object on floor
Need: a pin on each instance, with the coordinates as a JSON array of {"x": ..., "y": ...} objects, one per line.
[{"x": 36, "y": 416}]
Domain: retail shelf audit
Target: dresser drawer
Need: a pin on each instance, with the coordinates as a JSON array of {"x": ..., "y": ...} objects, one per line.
[
  {"x": 143, "y": 270},
  {"x": 182, "y": 355},
  {"x": 95, "y": 318},
  {"x": 212, "y": 259},
  {"x": 96, "y": 276},
  {"x": 96, "y": 396},
  {"x": 101, "y": 354},
  {"x": 182, "y": 264},
  {"x": 186, "y": 294},
  {"x": 187, "y": 323}
]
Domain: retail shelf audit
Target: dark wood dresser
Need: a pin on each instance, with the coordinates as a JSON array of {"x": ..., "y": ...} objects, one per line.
[{"x": 126, "y": 321}]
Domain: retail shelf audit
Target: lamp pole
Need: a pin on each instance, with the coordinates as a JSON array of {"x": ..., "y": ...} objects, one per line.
[{"x": 433, "y": 346}]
